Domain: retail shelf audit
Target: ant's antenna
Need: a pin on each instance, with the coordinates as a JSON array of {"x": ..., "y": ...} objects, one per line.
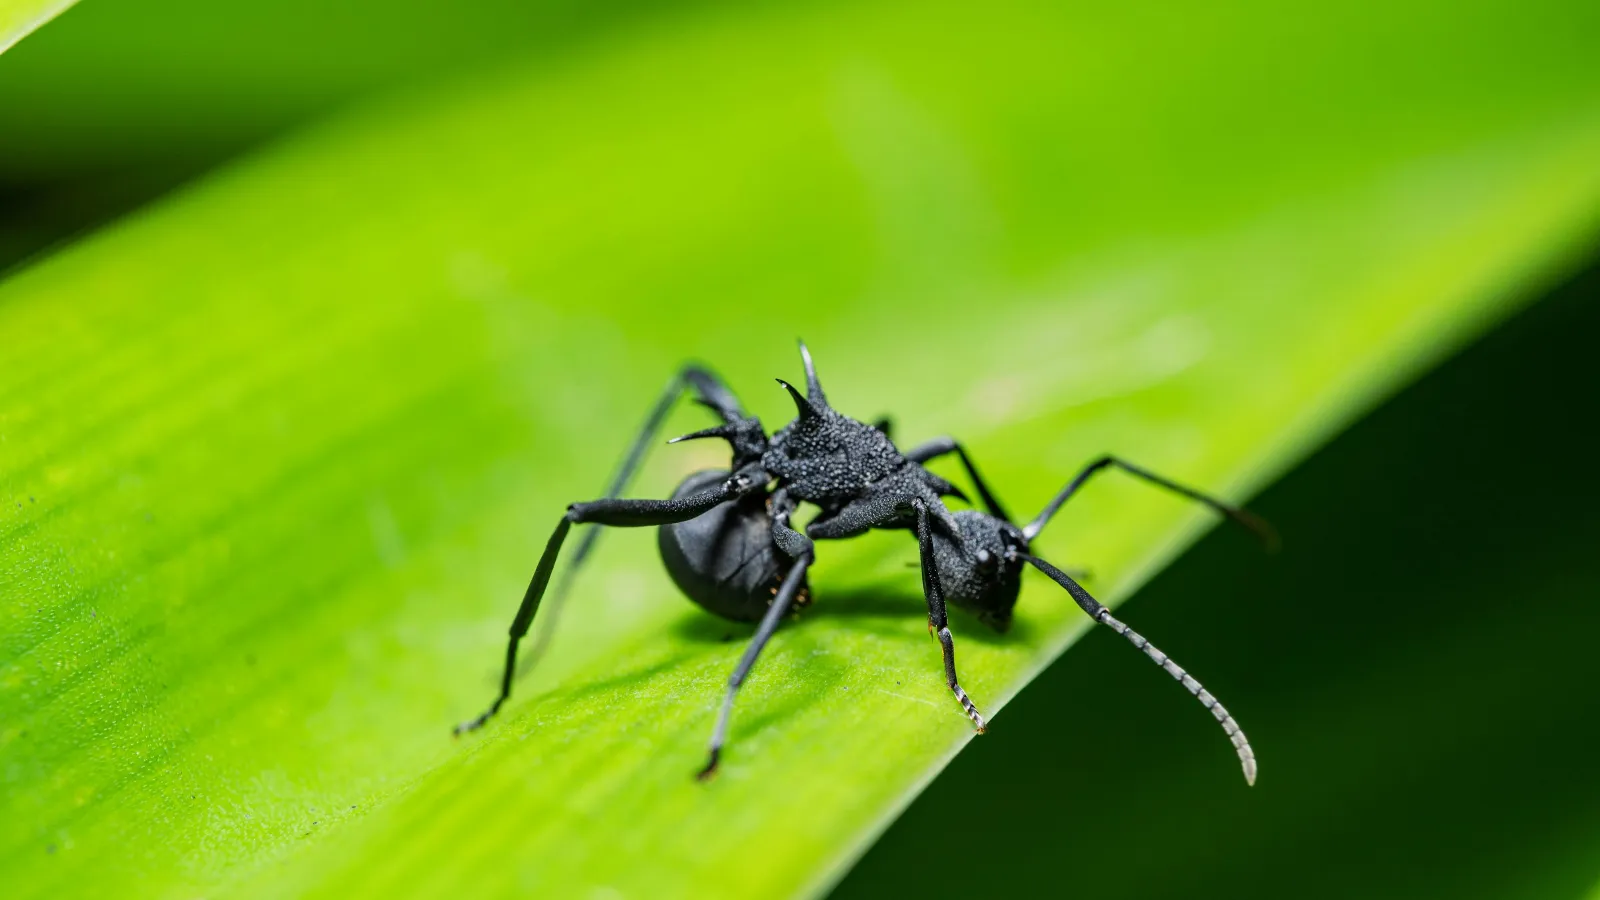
[{"x": 1241, "y": 744}]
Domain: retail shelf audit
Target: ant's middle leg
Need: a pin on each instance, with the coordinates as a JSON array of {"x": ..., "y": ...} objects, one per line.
[
  {"x": 889, "y": 506},
  {"x": 942, "y": 446},
  {"x": 614, "y": 512}
]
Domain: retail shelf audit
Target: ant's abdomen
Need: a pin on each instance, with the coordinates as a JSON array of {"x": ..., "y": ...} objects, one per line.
[{"x": 724, "y": 560}]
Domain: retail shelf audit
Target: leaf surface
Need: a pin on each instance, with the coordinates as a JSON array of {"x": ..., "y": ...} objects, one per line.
[
  {"x": 18, "y": 18},
  {"x": 277, "y": 457}
]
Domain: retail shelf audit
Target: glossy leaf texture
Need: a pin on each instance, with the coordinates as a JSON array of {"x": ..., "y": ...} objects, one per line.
[
  {"x": 19, "y": 18},
  {"x": 277, "y": 456}
]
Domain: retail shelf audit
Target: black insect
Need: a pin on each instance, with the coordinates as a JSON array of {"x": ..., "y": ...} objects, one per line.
[{"x": 726, "y": 539}]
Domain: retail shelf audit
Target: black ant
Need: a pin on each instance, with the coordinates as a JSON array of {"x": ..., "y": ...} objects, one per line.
[{"x": 726, "y": 540}]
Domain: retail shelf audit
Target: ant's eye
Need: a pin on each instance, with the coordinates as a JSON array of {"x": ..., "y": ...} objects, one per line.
[{"x": 986, "y": 561}]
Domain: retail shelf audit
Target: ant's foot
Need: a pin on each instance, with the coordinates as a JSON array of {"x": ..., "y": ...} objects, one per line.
[
  {"x": 978, "y": 723},
  {"x": 473, "y": 725},
  {"x": 710, "y": 771}
]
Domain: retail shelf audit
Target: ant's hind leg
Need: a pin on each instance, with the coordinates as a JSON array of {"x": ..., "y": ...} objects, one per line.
[
  {"x": 710, "y": 392},
  {"x": 624, "y": 513}
]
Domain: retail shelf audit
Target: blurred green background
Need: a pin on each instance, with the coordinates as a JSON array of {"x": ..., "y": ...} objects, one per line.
[
  {"x": 116, "y": 103},
  {"x": 1412, "y": 669}
]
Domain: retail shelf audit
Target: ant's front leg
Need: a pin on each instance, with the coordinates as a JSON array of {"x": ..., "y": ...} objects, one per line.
[
  {"x": 614, "y": 512},
  {"x": 927, "y": 513},
  {"x": 938, "y": 622}
]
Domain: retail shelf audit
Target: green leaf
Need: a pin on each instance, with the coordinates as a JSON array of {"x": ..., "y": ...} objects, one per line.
[
  {"x": 18, "y": 18},
  {"x": 278, "y": 455}
]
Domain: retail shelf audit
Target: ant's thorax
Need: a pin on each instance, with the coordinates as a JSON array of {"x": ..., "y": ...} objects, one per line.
[{"x": 829, "y": 459}]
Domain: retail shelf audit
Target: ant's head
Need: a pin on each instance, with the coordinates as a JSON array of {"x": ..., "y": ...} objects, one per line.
[{"x": 983, "y": 574}]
